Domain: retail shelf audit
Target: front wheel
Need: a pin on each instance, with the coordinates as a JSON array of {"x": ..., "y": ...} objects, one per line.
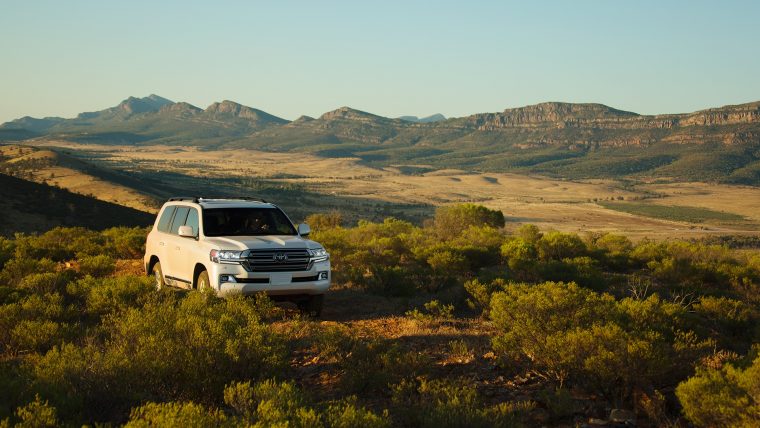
[
  {"x": 158, "y": 274},
  {"x": 203, "y": 283}
]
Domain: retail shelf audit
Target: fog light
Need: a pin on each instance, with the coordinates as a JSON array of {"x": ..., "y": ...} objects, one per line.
[
  {"x": 322, "y": 276},
  {"x": 227, "y": 278}
]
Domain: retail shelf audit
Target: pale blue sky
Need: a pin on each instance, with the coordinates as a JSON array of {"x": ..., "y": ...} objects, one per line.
[{"x": 387, "y": 57}]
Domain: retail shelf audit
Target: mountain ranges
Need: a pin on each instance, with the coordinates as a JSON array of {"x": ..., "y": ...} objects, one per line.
[{"x": 574, "y": 141}]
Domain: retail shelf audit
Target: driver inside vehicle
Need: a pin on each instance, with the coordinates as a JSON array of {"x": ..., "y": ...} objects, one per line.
[{"x": 256, "y": 223}]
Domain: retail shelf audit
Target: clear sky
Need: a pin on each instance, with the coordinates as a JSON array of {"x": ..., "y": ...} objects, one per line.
[{"x": 58, "y": 58}]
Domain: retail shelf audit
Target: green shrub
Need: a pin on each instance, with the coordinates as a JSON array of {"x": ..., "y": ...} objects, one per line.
[
  {"x": 17, "y": 268},
  {"x": 101, "y": 296},
  {"x": 733, "y": 319},
  {"x": 569, "y": 333},
  {"x": 347, "y": 414},
  {"x": 271, "y": 403},
  {"x": 726, "y": 397},
  {"x": 450, "y": 403},
  {"x": 60, "y": 244},
  {"x": 555, "y": 245},
  {"x": 100, "y": 265},
  {"x": 324, "y": 221},
  {"x": 452, "y": 220},
  {"x": 520, "y": 256},
  {"x": 434, "y": 310},
  {"x": 480, "y": 293},
  {"x": 47, "y": 282},
  {"x": 168, "y": 348},
  {"x": 7, "y": 250},
  {"x": 175, "y": 415},
  {"x": 34, "y": 323},
  {"x": 529, "y": 233},
  {"x": 125, "y": 242},
  {"x": 37, "y": 414},
  {"x": 373, "y": 366},
  {"x": 616, "y": 250}
]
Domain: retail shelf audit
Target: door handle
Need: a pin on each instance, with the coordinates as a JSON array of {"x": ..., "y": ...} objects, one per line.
[
  {"x": 161, "y": 244},
  {"x": 176, "y": 248}
]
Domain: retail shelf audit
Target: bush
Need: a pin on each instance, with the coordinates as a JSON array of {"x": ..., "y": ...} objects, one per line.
[
  {"x": 47, "y": 282},
  {"x": 102, "y": 296},
  {"x": 16, "y": 269},
  {"x": 452, "y": 220},
  {"x": 175, "y": 415},
  {"x": 448, "y": 403},
  {"x": 569, "y": 333},
  {"x": 100, "y": 265},
  {"x": 481, "y": 293},
  {"x": 319, "y": 222},
  {"x": 125, "y": 242},
  {"x": 168, "y": 348},
  {"x": 726, "y": 397},
  {"x": 434, "y": 310},
  {"x": 7, "y": 250},
  {"x": 374, "y": 366},
  {"x": 555, "y": 245},
  {"x": 36, "y": 414},
  {"x": 270, "y": 403}
]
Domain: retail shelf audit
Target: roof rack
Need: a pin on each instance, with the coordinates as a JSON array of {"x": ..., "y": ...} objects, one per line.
[
  {"x": 185, "y": 198},
  {"x": 195, "y": 199}
]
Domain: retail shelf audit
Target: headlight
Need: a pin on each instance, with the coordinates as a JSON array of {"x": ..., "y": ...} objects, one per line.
[
  {"x": 319, "y": 255},
  {"x": 226, "y": 256}
]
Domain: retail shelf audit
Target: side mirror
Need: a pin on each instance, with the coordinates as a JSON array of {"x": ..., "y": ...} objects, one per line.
[
  {"x": 186, "y": 232},
  {"x": 304, "y": 229}
]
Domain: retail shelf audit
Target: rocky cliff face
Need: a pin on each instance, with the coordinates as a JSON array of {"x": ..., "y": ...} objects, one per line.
[{"x": 598, "y": 116}]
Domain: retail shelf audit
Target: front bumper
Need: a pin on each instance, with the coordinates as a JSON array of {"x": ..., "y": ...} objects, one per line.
[{"x": 232, "y": 279}]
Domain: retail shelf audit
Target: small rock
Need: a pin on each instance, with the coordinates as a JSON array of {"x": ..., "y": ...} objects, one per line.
[{"x": 597, "y": 422}]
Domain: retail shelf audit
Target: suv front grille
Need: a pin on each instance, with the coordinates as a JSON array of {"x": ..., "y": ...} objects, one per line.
[{"x": 277, "y": 261}]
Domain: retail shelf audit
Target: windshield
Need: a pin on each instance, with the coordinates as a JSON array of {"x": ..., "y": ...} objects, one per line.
[{"x": 246, "y": 222}]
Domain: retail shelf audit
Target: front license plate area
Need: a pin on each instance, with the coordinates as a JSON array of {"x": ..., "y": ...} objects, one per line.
[{"x": 280, "y": 278}]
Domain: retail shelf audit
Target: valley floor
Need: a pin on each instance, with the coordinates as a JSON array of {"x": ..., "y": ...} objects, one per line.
[{"x": 685, "y": 209}]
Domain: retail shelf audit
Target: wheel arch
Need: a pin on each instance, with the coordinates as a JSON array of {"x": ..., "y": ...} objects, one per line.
[
  {"x": 199, "y": 267},
  {"x": 152, "y": 262}
]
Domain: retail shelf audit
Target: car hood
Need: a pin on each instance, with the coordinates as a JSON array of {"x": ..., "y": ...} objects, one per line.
[{"x": 277, "y": 242}]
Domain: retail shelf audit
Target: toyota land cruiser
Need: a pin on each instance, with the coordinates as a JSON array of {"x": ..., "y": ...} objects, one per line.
[{"x": 237, "y": 246}]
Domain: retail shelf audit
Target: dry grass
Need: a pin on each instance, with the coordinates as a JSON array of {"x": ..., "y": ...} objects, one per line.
[
  {"x": 60, "y": 171},
  {"x": 549, "y": 203}
]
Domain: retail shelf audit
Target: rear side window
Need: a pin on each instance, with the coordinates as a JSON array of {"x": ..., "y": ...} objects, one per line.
[
  {"x": 192, "y": 220},
  {"x": 179, "y": 219},
  {"x": 166, "y": 218}
]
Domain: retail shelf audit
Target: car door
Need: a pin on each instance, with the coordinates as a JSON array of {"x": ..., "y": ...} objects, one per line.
[
  {"x": 162, "y": 236},
  {"x": 187, "y": 248},
  {"x": 173, "y": 271}
]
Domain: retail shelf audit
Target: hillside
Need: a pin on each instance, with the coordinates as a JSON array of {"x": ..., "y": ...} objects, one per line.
[
  {"x": 57, "y": 168},
  {"x": 575, "y": 141},
  {"x": 32, "y": 207}
]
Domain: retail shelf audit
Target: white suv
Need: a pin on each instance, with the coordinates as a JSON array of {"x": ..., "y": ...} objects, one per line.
[{"x": 240, "y": 245}]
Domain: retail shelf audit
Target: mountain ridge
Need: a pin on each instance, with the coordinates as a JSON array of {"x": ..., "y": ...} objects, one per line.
[{"x": 569, "y": 140}]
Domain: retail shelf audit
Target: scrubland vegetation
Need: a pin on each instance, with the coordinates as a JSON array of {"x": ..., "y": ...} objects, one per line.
[{"x": 455, "y": 323}]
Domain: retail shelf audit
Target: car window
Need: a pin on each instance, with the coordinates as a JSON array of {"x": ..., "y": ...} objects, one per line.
[
  {"x": 179, "y": 219},
  {"x": 192, "y": 220},
  {"x": 246, "y": 222},
  {"x": 166, "y": 218}
]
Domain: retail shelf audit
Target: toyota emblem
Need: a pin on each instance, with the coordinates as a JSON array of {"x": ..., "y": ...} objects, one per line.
[{"x": 280, "y": 257}]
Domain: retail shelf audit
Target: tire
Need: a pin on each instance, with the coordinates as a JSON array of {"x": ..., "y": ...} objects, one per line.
[
  {"x": 202, "y": 283},
  {"x": 313, "y": 306},
  {"x": 158, "y": 274}
]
